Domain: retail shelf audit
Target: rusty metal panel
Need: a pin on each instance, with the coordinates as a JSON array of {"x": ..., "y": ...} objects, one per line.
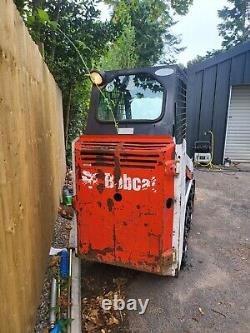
[{"x": 123, "y": 185}]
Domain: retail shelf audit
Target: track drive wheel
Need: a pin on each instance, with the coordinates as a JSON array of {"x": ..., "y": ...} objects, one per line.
[{"x": 187, "y": 226}]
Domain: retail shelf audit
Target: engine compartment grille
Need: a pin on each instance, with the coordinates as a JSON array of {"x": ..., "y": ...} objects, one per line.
[
  {"x": 124, "y": 145},
  {"x": 129, "y": 155}
]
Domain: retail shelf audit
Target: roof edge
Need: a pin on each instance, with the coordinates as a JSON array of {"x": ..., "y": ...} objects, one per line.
[{"x": 225, "y": 55}]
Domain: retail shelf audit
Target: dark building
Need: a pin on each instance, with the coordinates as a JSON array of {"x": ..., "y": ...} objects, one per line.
[{"x": 218, "y": 99}]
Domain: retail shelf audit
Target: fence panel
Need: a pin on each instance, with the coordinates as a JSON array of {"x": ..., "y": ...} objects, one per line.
[{"x": 32, "y": 168}]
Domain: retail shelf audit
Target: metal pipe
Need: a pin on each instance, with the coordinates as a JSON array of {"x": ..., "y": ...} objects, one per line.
[
  {"x": 76, "y": 294},
  {"x": 59, "y": 297},
  {"x": 52, "y": 316},
  {"x": 69, "y": 288}
]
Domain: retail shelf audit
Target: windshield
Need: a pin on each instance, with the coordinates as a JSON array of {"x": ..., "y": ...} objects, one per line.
[{"x": 131, "y": 97}]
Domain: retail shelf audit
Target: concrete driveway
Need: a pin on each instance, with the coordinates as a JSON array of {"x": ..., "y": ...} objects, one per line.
[{"x": 212, "y": 294}]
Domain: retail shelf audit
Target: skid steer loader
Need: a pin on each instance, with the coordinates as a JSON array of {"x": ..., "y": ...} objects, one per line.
[{"x": 134, "y": 184}]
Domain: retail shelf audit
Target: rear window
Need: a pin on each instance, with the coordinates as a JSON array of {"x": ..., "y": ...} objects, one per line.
[{"x": 131, "y": 97}]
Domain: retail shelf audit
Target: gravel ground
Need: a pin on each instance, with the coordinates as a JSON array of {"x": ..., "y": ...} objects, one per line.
[{"x": 60, "y": 240}]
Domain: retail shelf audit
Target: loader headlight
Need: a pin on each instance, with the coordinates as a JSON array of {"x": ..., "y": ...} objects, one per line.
[{"x": 97, "y": 78}]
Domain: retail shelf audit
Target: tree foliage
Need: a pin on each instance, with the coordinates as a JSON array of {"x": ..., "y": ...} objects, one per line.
[
  {"x": 80, "y": 23},
  {"x": 151, "y": 21},
  {"x": 199, "y": 58},
  {"x": 137, "y": 34},
  {"x": 235, "y": 28},
  {"x": 122, "y": 52},
  {"x": 181, "y": 6}
]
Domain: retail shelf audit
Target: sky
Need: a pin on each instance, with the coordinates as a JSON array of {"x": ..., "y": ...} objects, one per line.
[{"x": 198, "y": 28}]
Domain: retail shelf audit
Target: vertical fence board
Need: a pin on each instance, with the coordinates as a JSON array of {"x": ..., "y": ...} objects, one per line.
[{"x": 32, "y": 168}]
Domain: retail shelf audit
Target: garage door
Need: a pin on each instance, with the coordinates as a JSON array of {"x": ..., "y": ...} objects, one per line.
[{"x": 237, "y": 145}]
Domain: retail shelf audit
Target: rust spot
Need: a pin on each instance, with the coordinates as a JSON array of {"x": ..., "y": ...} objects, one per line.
[
  {"x": 110, "y": 204},
  {"x": 152, "y": 256},
  {"x": 145, "y": 224},
  {"x": 99, "y": 204},
  {"x": 78, "y": 172},
  {"x": 125, "y": 223},
  {"x": 114, "y": 236},
  {"x": 94, "y": 253},
  {"x": 100, "y": 174},
  {"x": 100, "y": 188},
  {"x": 138, "y": 206},
  {"x": 152, "y": 266},
  {"x": 166, "y": 261},
  {"x": 117, "y": 171},
  {"x": 104, "y": 251},
  {"x": 119, "y": 248}
]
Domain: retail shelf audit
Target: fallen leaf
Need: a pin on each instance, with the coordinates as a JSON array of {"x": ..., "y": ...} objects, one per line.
[
  {"x": 89, "y": 327},
  {"x": 66, "y": 212},
  {"x": 112, "y": 321},
  {"x": 54, "y": 261},
  {"x": 68, "y": 227}
]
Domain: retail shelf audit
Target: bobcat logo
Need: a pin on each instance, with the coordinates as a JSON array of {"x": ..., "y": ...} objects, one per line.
[{"x": 125, "y": 182}]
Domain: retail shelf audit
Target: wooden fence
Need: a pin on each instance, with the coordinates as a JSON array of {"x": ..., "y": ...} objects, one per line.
[{"x": 32, "y": 168}]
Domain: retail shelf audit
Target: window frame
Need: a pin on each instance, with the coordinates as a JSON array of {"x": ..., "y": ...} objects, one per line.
[{"x": 129, "y": 121}]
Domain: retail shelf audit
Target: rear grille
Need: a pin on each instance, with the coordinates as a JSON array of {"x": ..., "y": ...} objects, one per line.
[
  {"x": 105, "y": 145},
  {"x": 97, "y": 158},
  {"x": 128, "y": 155},
  {"x": 139, "y": 160},
  {"x": 125, "y": 160}
]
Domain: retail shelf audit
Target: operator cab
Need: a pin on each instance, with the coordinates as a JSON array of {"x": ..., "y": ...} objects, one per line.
[{"x": 144, "y": 101}]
